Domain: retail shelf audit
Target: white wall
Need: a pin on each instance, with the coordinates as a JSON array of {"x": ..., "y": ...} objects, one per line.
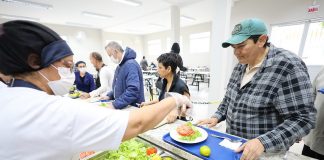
[
  {"x": 133, "y": 41},
  {"x": 189, "y": 59},
  {"x": 83, "y": 41},
  {"x": 271, "y": 11}
]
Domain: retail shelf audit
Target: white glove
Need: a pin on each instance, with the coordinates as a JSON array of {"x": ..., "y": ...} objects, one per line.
[{"x": 181, "y": 100}]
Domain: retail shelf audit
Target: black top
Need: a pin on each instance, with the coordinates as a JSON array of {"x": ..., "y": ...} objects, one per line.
[
  {"x": 178, "y": 86},
  {"x": 98, "y": 84}
]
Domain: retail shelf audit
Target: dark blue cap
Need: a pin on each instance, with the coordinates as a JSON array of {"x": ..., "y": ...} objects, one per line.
[{"x": 54, "y": 52}]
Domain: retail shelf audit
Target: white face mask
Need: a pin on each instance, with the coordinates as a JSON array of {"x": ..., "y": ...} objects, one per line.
[
  {"x": 113, "y": 59},
  {"x": 83, "y": 70},
  {"x": 63, "y": 85}
]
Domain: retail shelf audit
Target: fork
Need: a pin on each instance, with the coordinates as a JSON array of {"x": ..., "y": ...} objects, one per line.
[{"x": 222, "y": 137}]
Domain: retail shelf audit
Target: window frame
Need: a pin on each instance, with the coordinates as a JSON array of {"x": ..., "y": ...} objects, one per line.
[{"x": 305, "y": 32}]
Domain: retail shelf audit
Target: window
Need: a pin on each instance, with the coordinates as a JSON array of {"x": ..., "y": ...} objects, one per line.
[
  {"x": 308, "y": 46},
  {"x": 287, "y": 37},
  {"x": 154, "y": 47},
  {"x": 199, "y": 42},
  {"x": 313, "y": 53}
]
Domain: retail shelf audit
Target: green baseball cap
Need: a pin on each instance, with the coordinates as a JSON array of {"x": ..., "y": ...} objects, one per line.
[{"x": 244, "y": 30}]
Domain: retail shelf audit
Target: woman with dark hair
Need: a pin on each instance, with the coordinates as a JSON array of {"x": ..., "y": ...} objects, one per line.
[
  {"x": 171, "y": 82},
  {"x": 40, "y": 125},
  {"x": 83, "y": 80},
  {"x": 176, "y": 50}
]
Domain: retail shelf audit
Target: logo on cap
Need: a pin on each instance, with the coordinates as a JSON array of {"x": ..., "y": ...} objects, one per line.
[{"x": 237, "y": 29}]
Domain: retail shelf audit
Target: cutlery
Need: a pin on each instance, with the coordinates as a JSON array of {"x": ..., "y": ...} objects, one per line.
[{"x": 222, "y": 137}]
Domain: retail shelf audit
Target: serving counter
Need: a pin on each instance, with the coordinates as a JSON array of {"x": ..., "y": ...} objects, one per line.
[{"x": 155, "y": 136}]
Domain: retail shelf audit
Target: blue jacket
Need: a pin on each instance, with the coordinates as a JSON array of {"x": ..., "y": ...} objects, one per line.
[
  {"x": 87, "y": 85},
  {"x": 128, "y": 88}
]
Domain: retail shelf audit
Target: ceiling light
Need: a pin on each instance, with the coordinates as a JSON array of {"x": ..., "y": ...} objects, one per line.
[
  {"x": 186, "y": 18},
  {"x": 13, "y": 17},
  {"x": 96, "y": 15},
  {"x": 29, "y": 4},
  {"x": 78, "y": 24},
  {"x": 129, "y": 2}
]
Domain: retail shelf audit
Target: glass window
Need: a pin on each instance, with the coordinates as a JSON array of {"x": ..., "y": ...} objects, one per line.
[
  {"x": 287, "y": 37},
  {"x": 313, "y": 53},
  {"x": 154, "y": 47},
  {"x": 199, "y": 42}
]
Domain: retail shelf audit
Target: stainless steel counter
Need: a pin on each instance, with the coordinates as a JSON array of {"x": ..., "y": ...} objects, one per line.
[
  {"x": 203, "y": 111},
  {"x": 155, "y": 136}
]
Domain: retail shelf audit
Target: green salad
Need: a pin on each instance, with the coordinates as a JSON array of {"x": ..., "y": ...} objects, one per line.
[
  {"x": 189, "y": 132},
  {"x": 129, "y": 150}
]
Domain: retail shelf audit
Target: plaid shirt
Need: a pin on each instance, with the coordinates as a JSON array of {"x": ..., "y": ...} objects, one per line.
[{"x": 276, "y": 106}]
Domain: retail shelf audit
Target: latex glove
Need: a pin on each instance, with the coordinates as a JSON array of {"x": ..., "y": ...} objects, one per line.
[
  {"x": 180, "y": 99},
  {"x": 252, "y": 149}
]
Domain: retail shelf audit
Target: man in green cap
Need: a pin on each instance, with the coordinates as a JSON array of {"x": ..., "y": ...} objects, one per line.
[{"x": 269, "y": 98}]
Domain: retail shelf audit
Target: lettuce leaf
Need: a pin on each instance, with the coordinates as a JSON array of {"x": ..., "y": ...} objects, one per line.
[{"x": 193, "y": 136}]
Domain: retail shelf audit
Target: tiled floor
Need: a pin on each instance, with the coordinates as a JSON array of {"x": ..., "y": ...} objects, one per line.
[{"x": 201, "y": 96}]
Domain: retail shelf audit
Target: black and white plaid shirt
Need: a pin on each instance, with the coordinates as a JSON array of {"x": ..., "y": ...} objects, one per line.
[{"x": 276, "y": 106}]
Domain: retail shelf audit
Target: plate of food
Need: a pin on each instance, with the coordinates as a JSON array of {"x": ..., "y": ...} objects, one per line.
[{"x": 188, "y": 133}]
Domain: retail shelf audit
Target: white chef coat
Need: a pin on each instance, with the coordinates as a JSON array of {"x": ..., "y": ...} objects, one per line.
[
  {"x": 106, "y": 75},
  {"x": 38, "y": 126},
  {"x": 2, "y": 85}
]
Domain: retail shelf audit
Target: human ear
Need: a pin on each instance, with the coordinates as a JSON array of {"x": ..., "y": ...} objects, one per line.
[
  {"x": 34, "y": 61},
  {"x": 169, "y": 68},
  {"x": 262, "y": 40}
]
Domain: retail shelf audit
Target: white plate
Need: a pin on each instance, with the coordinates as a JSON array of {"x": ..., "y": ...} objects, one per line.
[{"x": 175, "y": 136}]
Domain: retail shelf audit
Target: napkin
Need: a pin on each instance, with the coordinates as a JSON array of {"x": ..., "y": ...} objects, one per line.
[{"x": 231, "y": 145}]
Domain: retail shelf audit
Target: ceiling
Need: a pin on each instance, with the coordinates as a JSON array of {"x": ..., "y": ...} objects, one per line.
[{"x": 151, "y": 16}]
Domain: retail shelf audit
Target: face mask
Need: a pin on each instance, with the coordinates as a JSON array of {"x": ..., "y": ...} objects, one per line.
[
  {"x": 83, "y": 70},
  {"x": 113, "y": 59},
  {"x": 63, "y": 85}
]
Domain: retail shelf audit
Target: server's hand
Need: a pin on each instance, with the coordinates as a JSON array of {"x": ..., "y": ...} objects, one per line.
[{"x": 180, "y": 99}]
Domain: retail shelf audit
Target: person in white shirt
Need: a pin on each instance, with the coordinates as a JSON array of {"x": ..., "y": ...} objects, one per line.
[
  {"x": 36, "y": 122},
  {"x": 314, "y": 141},
  {"x": 104, "y": 79}
]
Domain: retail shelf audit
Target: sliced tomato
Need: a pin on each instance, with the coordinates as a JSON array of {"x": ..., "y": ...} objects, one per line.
[
  {"x": 185, "y": 130},
  {"x": 85, "y": 154},
  {"x": 151, "y": 150}
]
